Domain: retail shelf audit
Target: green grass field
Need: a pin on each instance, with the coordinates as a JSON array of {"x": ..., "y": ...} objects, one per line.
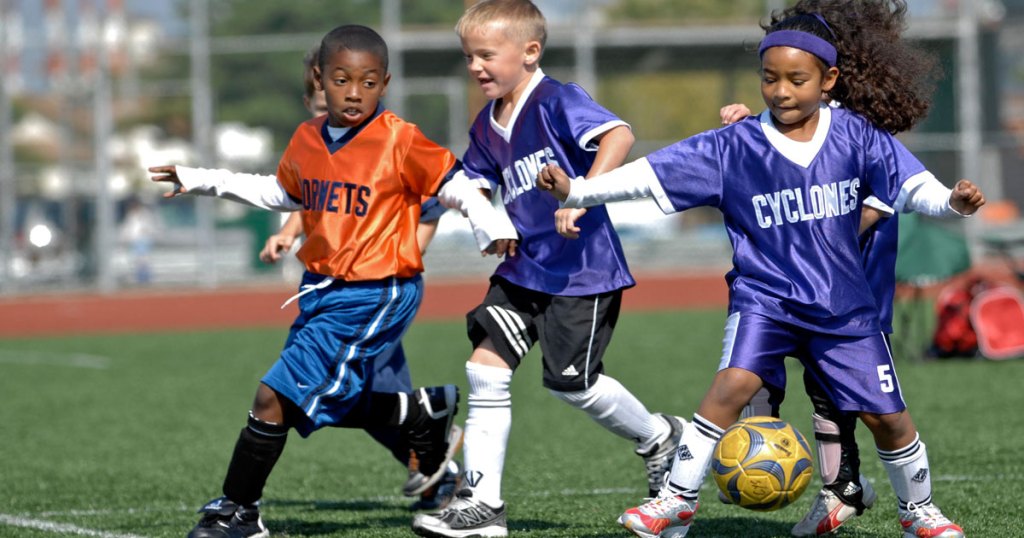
[{"x": 128, "y": 435}]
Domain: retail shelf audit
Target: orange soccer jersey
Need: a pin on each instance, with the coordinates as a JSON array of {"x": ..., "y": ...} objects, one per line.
[{"x": 361, "y": 195}]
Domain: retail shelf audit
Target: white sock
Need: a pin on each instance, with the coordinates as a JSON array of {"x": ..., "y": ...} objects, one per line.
[
  {"x": 693, "y": 458},
  {"x": 615, "y": 408},
  {"x": 487, "y": 425},
  {"x": 909, "y": 473}
]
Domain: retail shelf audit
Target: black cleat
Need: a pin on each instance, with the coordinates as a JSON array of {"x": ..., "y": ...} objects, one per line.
[
  {"x": 223, "y": 518},
  {"x": 429, "y": 437}
]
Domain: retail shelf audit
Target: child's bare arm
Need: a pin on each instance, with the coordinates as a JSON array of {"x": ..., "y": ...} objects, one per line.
[
  {"x": 868, "y": 217},
  {"x": 613, "y": 148}
]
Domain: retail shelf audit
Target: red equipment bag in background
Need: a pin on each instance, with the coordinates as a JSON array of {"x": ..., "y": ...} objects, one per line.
[
  {"x": 997, "y": 315},
  {"x": 954, "y": 333}
]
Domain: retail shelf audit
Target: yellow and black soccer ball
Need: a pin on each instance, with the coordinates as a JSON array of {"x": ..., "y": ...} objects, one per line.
[{"x": 762, "y": 463}]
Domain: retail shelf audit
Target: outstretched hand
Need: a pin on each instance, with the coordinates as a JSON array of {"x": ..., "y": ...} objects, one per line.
[
  {"x": 565, "y": 221},
  {"x": 966, "y": 197},
  {"x": 276, "y": 246},
  {"x": 501, "y": 248},
  {"x": 554, "y": 180},
  {"x": 167, "y": 173},
  {"x": 733, "y": 113}
]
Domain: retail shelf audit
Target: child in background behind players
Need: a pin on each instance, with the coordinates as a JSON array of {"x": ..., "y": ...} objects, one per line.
[
  {"x": 362, "y": 284},
  {"x": 563, "y": 294},
  {"x": 797, "y": 176}
]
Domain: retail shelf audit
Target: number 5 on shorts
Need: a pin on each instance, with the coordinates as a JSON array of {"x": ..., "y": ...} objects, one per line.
[{"x": 885, "y": 378}]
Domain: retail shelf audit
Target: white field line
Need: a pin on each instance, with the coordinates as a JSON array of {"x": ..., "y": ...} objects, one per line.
[
  {"x": 62, "y": 528},
  {"x": 52, "y": 358},
  {"x": 108, "y": 511}
]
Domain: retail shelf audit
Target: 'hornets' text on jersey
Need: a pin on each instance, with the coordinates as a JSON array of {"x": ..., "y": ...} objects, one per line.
[
  {"x": 335, "y": 196},
  {"x": 361, "y": 195}
]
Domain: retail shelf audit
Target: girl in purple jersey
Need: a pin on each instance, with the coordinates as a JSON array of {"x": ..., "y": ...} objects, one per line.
[
  {"x": 845, "y": 493},
  {"x": 798, "y": 175}
]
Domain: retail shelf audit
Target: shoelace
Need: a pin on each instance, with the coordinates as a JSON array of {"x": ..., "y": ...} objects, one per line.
[
  {"x": 306, "y": 288},
  {"x": 929, "y": 513},
  {"x": 820, "y": 509},
  {"x": 458, "y": 505},
  {"x": 662, "y": 504}
]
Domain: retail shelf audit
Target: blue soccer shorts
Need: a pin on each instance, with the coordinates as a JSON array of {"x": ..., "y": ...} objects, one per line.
[
  {"x": 331, "y": 355},
  {"x": 856, "y": 372}
]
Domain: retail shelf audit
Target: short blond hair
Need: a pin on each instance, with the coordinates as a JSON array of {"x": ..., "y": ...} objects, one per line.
[{"x": 522, "y": 19}]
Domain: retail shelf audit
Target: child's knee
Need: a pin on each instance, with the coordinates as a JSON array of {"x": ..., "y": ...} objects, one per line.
[
  {"x": 891, "y": 430},
  {"x": 267, "y": 406},
  {"x": 734, "y": 387}
]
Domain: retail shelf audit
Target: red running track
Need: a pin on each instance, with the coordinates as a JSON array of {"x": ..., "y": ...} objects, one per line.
[{"x": 172, "y": 310}]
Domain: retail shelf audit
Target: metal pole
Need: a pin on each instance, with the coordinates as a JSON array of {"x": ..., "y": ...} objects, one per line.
[
  {"x": 969, "y": 112},
  {"x": 67, "y": 82},
  {"x": 6, "y": 163},
  {"x": 103, "y": 234},
  {"x": 586, "y": 55},
  {"x": 202, "y": 138},
  {"x": 391, "y": 27}
]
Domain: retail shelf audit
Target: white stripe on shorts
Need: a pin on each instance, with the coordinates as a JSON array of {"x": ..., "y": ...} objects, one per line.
[
  {"x": 590, "y": 343},
  {"x": 354, "y": 348},
  {"x": 513, "y": 327},
  {"x": 731, "y": 326}
]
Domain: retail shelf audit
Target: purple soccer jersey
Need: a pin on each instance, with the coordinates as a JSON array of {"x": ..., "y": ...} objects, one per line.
[
  {"x": 879, "y": 247},
  {"x": 792, "y": 211},
  {"x": 553, "y": 123}
]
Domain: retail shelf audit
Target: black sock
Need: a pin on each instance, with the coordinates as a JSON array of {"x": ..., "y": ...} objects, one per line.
[
  {"x": 394, "y": 409},
  {"x": 258, "y": 447}
]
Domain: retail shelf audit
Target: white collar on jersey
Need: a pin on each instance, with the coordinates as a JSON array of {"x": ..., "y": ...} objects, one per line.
[
  {"x": 506, "y": 132},
  {"x": 801, "y": 153}
]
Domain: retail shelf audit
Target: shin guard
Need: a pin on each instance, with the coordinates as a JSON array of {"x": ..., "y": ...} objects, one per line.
[{"x": 258, "y": 447}]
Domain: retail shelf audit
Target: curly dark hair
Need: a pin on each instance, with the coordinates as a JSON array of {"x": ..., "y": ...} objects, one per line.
[{"x": 881, "y": 77}]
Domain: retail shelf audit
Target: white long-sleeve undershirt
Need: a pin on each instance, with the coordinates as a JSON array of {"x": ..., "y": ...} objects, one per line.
[
  {"x": 922, "y": 193},
  {"x": 263, "y": 191},
  {"x": 487, "y": 222}
]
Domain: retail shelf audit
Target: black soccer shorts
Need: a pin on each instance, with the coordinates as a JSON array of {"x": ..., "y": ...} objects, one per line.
[{"x": 573, "y": 331}]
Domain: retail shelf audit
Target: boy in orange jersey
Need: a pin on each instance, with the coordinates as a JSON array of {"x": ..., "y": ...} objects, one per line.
[
  {"x": 391, "y": 371},
  {"x": 358, "y": 175}
]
